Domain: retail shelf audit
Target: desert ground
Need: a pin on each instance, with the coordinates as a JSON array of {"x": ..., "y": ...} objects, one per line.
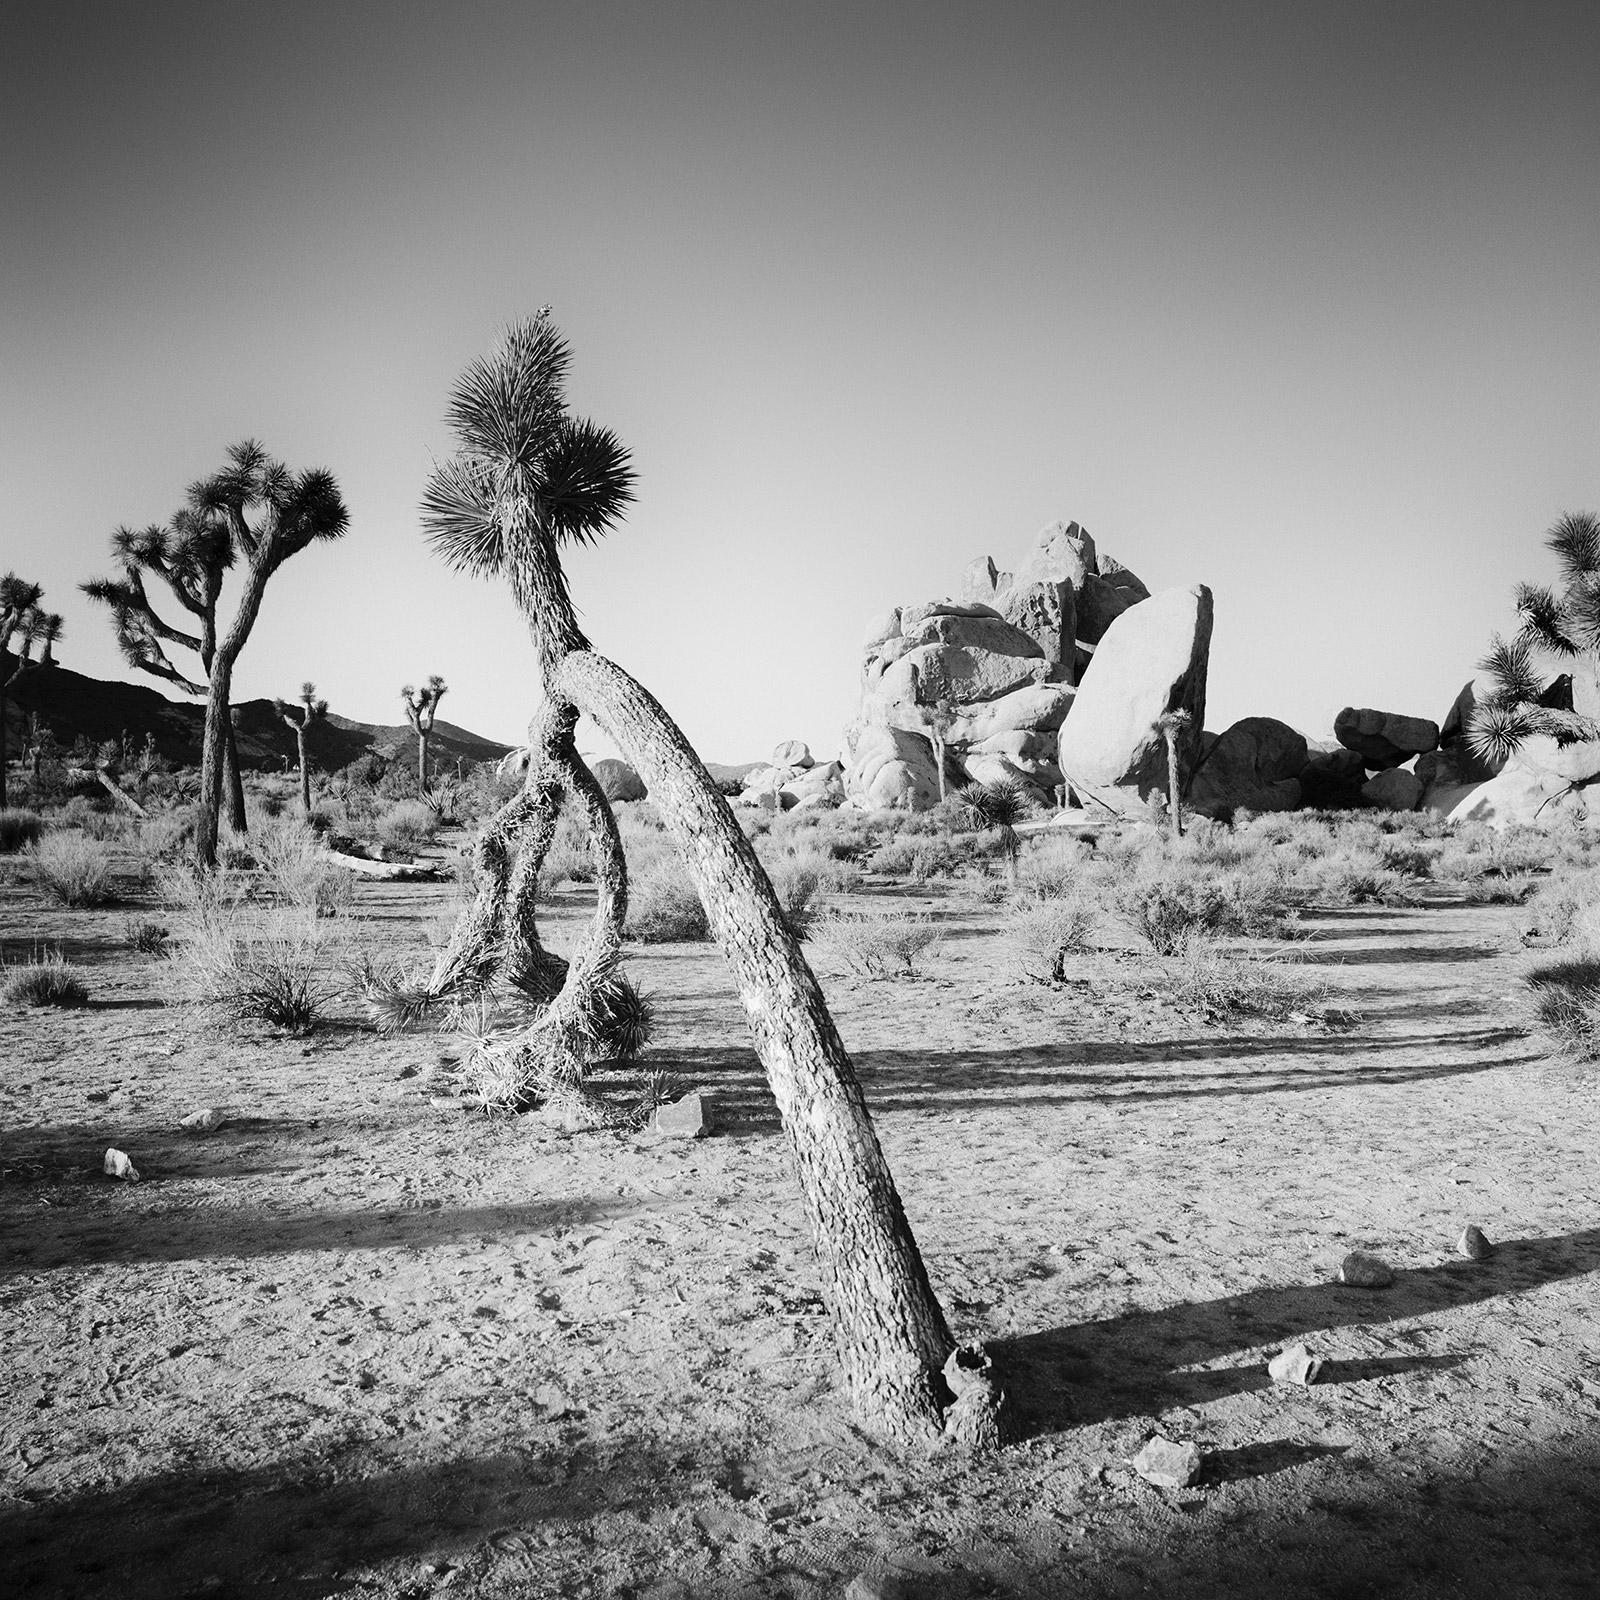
[{"x": 364, "y": 1339}]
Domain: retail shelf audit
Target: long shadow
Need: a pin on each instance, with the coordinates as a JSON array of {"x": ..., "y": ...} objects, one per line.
[
  {"x": 215, "y": 1233},
  {"x": 1388, "y": 955},
  {"x": 1142, "y": 1362},
  {"x": 1094, "y": 1071},
  {"x": 258, "y": 1532}
]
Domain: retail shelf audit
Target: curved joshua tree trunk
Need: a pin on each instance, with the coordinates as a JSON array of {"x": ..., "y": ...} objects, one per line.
[
  {"x": 305, "y": 772},
  {"x": 893, "y": 1338}
]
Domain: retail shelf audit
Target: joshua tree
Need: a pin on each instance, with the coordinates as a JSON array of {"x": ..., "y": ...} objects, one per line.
[
  {"x": 211, "y": 534},
  {"x": 526, "y": 478},
  {"x": 190, "y": 556},
  {"x": 1000, "y": 805},
  {"x": 1524, "y": 703},
  {"x": 300, "y": 718},
  {"x": 422, "y": 705},
  {"x": 1171, "y": 724},
  {"x": 938, "y": 716},
  {"x": 25, "y": 627}
]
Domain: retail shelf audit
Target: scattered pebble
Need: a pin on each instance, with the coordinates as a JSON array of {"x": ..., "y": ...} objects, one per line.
[
  {"x": 206, "y": 1121},
  {"x": 1474, "y": 1244},
  {"x": 1363, "y": 1271},
  {"x": 688, "y": 1118},
  {"x": 1295, "y": 1365},
  {"x": 117, "y": 1165},
  {"x": 1169, "y": 1465}
]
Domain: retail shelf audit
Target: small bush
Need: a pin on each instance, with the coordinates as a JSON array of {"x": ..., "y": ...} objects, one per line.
[
  {"x": 876, "y": 944},
  {"x": 1043, "y": 932},
  {"x": 18, "y": 829},
  {"x": 46, "y": 981},
  {"x": 664, "y": 908},
  {"x": 147, "y": 936},
  {"x": 620, "y": 1020},
  {"x": 1565, "y": 996},
  {"x": 1222, "y": 983},
  {"x": 408, "y": 823},
  {"x": 1565, "y": 910},
  {"x": 73, "y": 870},
  {"x": 290, "y": 855},
  {"x": 796, "y": 884},
  {"x": 273, "y": 968},
  {"x": 1488, "y": 891}
]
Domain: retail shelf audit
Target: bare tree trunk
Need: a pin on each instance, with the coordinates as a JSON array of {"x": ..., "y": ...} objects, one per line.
[
  {"x": 305, "y": 772},
  {"x": 3, "y": 757},
  {"x": 938, "y": 762},
  {"x": 235, "y": 781},
  {"x": 422, "y": 762},
  {"x": 1174, "y": 799},
  {"x": 892, "y": 1334}
]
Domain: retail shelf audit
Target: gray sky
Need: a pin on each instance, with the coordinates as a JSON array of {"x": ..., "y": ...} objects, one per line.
[{"x": 1298, "y": 301}]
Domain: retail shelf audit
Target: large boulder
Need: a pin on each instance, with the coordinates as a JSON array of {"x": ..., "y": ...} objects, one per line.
[
  {"x": 1394, "y": 789},
  {"x": 986, "y": 632},
  {"x": 1455, "y": 734},
  {"x": 1384, "y": 739},
  {"x": 1153, "y": 659},
  {"x": 1521, "y": 795},
  {"x": 1331, "y": 779},
  {"x": 618, "y": 780},
  {"x": 1023, "y": 754},
  {"x": 959, "y": 673},
  {"x": 1047, "y": 613},
  {"x": 1099, "y": 604},
  {"x": 889, "y": 769},
  {"x": 792, "y": 753},
  {"x": 1570, "y": 763},
  {"x": 1253, "y": 766}
]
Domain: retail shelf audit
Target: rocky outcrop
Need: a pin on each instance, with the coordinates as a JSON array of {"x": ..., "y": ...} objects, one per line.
[
  {"x": 990, "y": 674},
  {"x": 793, "y": 778},
  {"x": 1393, "y": 789},
  {"x": 1253, "y": 766},
  {"x": 1152, "y": 659},
  {"x": 1522, "y": 794},
  {"x": 618, "y": 779}
]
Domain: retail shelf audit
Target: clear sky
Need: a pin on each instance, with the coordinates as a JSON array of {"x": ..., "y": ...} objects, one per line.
[{"x": 1299, "y": 301}]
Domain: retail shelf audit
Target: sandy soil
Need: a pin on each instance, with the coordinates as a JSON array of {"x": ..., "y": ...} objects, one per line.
[{"x": 360, "y": 1343}]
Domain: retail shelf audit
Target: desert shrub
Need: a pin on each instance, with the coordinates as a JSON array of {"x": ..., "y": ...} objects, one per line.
[
  {"x": 1410, "y": 857},
  {"x": 1357, "y": 876},
  {"x": 619, "y": 1021},
  {"x": 917, "y": 859},
  {"x": 1565, "y": 1002},
  {"x": 290, "y": 854},
  {"x": 1566, "y": 910},
  {"x": 1042, "y": 932},
  {"x": 408, "y": 823},
  {"x": 242, "y": 965},
  {"x": 72, "y": 869},
  {"x": 1493, "y": 891},
  {"x": 46, "y": 980},
  {"x": 446, "y": 800},
  {"x": 147, "y": 936},
  {"x": 167, "y": 836},
  {"x": 876, "y": 944},
  {"x": 19, "y": 828},
  {"x": 664, "y": 907},
  {"x": 1224, "y": 983},
  {"x": 796, "y": 884},
  {"x": 1169, "y": 901}
]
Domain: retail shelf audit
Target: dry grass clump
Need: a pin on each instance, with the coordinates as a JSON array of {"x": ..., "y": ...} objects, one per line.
[
  {"x": 147, "y": 936},
  {"x": 1053, "y": 865},
  {"x": 47, "y": 980},
  {"x": 73, "y": 870},
  {"x": 1222, "y": 984},
  {"x": 18, "y": 829},
  {"x": 1170, "y": 900},
  {"x": 876, "y": 944},
  {"x": 408, "y": 823},
  {"x": 248, "y": 965},
  {"x": 664, "y": 907},
  {"x": 290, "y": 854},
  {"x": 1564, "y": 999},
  {"x": 1565, "y": 910},
  {"x": 796, "y": 884}
]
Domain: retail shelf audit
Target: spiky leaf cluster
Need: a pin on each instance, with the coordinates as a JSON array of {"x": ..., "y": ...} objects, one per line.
[
  {"x": 526, "y": 476},
  {"x": 309, "y": 710},
  {"x": 25, "y": 626},
  {"x": 422, "y": 705}
]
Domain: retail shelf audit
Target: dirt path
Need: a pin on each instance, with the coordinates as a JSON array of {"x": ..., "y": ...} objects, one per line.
[{"x": 357, "y": 1343}]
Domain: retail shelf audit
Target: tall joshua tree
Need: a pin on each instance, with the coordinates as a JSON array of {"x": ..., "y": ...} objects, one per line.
[
  {"x": 25, "y": 628},
  {"x": 1560, "y": 626},
  {"x": 1171, "y": 725},
  {"x": 302, "y": 718},
  {"x": 190, "y": 556},
  {"x": 527, "y": 478},
  {"x": 422, "y": 706}
]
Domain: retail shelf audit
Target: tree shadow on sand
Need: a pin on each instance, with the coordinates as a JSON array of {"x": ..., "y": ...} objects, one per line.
[{"x": 1146, "y": 1361}]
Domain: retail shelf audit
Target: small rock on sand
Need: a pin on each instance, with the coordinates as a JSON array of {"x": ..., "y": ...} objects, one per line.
[
  {"x": 1474, "y": 1244},
  {"x": 1169, "y": 1465},
  {"x": 205, "y": 1121},
  {"x": 118, "y": 1165},
  {"x": 879, "y": 1586},
  {"x": 688, "y": 1118},
  {"x": 1363, "y": 1271},
  {"x": 1295, "y": 1365}
]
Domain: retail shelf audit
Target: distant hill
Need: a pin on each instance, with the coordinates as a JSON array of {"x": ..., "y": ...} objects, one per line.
[{"x": 73, "y": 706}]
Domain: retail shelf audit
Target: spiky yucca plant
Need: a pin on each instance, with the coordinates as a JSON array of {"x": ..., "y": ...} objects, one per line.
[
  {"x": 1562, "y": 626},
  {"x": 27, "y": 635}
]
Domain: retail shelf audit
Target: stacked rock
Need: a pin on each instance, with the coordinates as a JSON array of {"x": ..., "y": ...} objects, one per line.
[{"x": 793, "y": 778}]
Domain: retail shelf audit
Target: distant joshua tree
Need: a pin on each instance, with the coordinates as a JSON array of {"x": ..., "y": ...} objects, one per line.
[
  {"x": 1562, "y": 627},
  {"x": 422, "y": 706},
  {"x": 213, "y": 532},
  {"x": 1172, "y": 724},
  {"x": 526, "y": 478},
  {"x": 25, "y": 627},
  {"x": 301, "y": 718},
  {"x": 938, "y": 717}
]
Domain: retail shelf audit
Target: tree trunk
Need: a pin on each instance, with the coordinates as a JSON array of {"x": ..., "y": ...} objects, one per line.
[
  {"x": 305, "y": 773},
  {"x": 219, "y": 729},
  {"x": 235, "y": 780},
  {"x": 892, "y": 1334},
  {"x": 422, "y": 762},
  {"x": 1174, "y": 800},
  {"x": 938, "y": 762},
  {"x": 3, "y": 757}
]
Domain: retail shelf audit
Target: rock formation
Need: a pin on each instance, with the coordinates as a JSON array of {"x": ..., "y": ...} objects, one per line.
[
  {"x": 793, "y": 778},
  {"x": 1255, "y": 765},
  {"x": 986, "y": 679}
]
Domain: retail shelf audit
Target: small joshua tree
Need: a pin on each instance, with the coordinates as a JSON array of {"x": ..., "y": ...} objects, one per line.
[
  {"x": 938, "y": 717},
  {"x": 1563, "y": 627},
  {"x": 1171, "y": 724},
  {"x": 301, "y": 717},
  {"x": 1001, "y": 805},
  {"x": 27, "y": 634},
  {"x": 422, "y": 706}
]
